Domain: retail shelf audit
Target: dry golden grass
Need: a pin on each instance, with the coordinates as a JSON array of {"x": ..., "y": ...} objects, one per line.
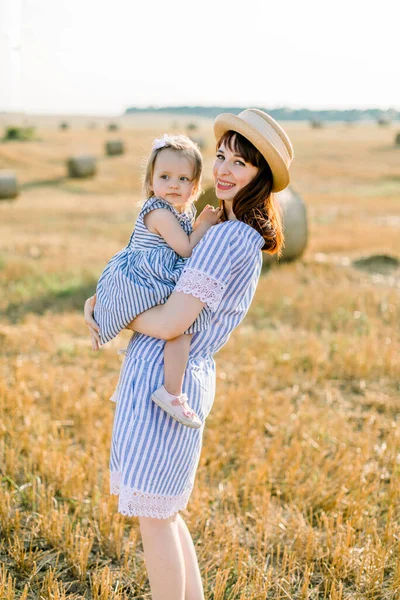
[{"x": 297, "y": 492}]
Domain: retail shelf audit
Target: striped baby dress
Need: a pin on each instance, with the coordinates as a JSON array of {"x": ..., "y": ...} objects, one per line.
[
  {"x": 141, "y": 275},
  {"x": 153, "y": 457}
]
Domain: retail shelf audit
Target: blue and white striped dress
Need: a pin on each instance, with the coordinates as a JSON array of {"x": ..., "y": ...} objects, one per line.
[
  {"x": 153, "y": 457},
  {"x": 142, "y": 275}
]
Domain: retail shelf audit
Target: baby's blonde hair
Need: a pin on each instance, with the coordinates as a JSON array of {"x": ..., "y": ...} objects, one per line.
[{"x": 178, "y": 143}]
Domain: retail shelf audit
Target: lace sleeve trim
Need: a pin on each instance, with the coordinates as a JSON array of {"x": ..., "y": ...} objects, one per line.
[{"x": 202, "y": 286}]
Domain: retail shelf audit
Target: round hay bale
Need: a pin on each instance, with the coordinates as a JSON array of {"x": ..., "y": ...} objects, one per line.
[
  {"x": 9, "y": 188},
  {"x": 113, "y": 127},
  {"x": 114, "y": 147},
  {"x": 294, "y": 216},
  {"x": 383, "y": 264},
  {"x": 397, "y": 139},
  {"x": 316, "y": 124},
  {"x": 83, "y": 165}
]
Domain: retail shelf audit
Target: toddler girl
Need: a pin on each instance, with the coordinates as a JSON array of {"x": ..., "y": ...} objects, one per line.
[{"x": 145, "y": 273}]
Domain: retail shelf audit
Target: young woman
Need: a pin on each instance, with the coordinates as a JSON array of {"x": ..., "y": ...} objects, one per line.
[{"x": 153, "y": 457}]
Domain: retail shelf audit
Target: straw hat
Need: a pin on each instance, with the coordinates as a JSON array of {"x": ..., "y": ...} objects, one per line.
[{"x": 266, "y": 135}]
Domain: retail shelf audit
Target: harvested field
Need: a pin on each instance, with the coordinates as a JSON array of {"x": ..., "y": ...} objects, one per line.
[{"x": 298, "y": 489}]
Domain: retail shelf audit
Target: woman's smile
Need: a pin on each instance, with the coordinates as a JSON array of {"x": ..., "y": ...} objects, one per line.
[{"x": 224, "y": 185}]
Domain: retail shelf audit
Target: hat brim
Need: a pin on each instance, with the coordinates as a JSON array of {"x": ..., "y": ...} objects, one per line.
[{"x": 230, "y": 122}]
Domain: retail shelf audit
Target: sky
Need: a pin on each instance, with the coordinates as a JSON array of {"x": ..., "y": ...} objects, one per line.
[{"x": 94, "y": 57}]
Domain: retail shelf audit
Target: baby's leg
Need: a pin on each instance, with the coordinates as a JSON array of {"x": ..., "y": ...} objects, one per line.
[
  {"x": 169, "y": 396},
  {"x": 176, "y": 354}
]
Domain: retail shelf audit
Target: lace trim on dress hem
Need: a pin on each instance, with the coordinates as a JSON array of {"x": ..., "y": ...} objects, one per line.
[
  {"x": 202, "y": 286},
  {"x": 135, "y": 503}
]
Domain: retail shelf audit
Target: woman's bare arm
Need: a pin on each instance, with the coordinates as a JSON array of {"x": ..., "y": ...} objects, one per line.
[{"x": 166, "y": 321}]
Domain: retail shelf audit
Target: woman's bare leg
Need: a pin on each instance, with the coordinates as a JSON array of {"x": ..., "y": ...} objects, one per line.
[
  {"x": 194, "y": 586},
  {"x": 164, "y": 558},
  {"x": 171, "y": 559}
]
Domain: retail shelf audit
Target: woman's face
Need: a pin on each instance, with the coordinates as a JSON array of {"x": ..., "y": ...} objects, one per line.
[{"x": 231, "y": 173}]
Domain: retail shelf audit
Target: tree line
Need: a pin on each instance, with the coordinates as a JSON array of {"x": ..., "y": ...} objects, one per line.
[{"x": 281, "y": 114}]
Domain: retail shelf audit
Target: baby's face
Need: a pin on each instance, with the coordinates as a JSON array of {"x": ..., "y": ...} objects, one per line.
[{"x": 173, "y": 177}]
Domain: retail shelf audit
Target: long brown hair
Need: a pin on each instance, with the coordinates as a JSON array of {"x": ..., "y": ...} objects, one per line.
[{"x": 255, "y": 204}]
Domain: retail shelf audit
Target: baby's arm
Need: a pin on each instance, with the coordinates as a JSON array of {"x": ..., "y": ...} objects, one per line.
[{"x": 163, "y": 222}]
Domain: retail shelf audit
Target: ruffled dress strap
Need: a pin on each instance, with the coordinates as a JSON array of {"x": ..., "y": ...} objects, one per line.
[{"x": 154, "y": 203}]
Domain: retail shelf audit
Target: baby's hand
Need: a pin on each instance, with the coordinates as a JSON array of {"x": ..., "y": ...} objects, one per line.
[{"x": 210, "y": 215}]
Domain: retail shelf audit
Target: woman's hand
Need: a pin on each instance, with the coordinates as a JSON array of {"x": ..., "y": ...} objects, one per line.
[{"x": 91, "y": 323}]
